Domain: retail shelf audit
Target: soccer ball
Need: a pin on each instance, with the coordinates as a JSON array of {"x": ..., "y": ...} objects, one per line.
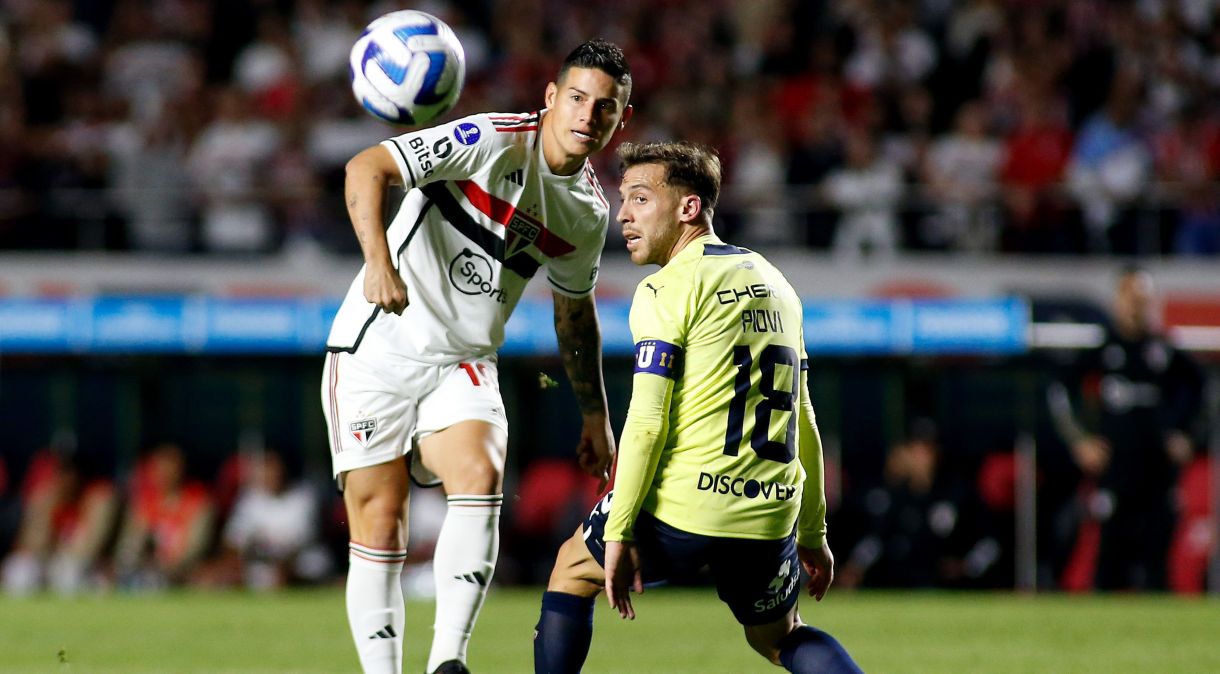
[{"x": 407, "y": 67}]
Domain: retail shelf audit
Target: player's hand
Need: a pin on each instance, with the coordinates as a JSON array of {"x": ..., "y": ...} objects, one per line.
[
  {"x": 819, "y": 563},
  {"x": 385, "y": 288},
  {"x": 1092, "y": 454},
  {"x": 623, "y": 576},
  {"x": 596, "y": 450}
]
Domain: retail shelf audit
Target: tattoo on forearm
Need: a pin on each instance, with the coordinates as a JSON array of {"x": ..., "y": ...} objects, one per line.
[{"x": 579, "y": 338}]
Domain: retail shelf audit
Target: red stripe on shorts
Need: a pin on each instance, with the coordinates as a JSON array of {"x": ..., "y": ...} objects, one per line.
[{"x": 334, "y": 402}]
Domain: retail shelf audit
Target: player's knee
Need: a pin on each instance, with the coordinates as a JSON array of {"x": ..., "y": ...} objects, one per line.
[
  {"x": 478, "y": 474},
  {"x": 378, "y": 521},
  {"x": 468, "y": 457},
  {"x": 768, "y": 639},
  {"x": 487, "y": 476},
  {"x": 573, "y": 579},
  {"x": 575, "y": 571},
  {"x": 768, "y": 648}
]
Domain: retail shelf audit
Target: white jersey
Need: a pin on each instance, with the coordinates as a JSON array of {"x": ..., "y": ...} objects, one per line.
[{"x": 482, "y": 214}]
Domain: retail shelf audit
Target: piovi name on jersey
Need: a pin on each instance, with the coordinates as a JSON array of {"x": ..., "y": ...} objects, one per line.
[{"x": 753, "y": 320}]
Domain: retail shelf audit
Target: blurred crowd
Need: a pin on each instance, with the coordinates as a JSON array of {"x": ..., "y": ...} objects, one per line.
[
  {"x": 84, "y": 528},
  {"x": 927, "y": 519},
  {"x": 71, "y": 522},
  {"x": 862, "y": 126}
]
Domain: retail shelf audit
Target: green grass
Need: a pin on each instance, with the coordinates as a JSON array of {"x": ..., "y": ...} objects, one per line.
[{"x": 677, "y": 631}]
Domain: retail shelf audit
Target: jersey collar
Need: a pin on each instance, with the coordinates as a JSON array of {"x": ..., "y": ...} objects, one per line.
[{"x": 695, "y": 248}]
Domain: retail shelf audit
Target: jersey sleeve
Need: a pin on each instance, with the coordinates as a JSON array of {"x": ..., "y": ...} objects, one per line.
[
  {"x": 445, "y": 152},
  {"x": 811, "y": 519},
  {"x": 575, "y": 274},
  {"x": 811, "y": 522},
  {"x": 659, "y": 334}
]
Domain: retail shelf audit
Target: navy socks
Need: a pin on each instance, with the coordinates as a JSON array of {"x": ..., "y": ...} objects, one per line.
[
  {"x": 807, "y": 650},
  {"x": 565, "y": 629}
]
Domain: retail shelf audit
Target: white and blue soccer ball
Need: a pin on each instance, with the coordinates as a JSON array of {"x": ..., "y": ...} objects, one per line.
[{"x": 407, "y": 67}]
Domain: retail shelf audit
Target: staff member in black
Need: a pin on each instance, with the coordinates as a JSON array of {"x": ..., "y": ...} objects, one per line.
[{"x": 1145, "y": 396}]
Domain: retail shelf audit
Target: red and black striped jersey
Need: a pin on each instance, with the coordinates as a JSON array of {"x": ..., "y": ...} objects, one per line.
[{"x": 482, "y": 214}]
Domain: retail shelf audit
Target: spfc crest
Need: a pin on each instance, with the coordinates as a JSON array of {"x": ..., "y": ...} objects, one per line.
[
  {"x": 363, "y": 430},
  {"x": 521, "y": 232}
]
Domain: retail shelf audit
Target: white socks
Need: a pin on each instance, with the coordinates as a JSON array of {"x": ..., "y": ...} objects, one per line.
[
  {"x": 463, "y": 564},
  {"x": 375, "y": 608}
]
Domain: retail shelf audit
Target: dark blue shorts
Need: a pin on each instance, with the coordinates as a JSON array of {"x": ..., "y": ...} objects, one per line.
[{"x": 757, "y": 579}]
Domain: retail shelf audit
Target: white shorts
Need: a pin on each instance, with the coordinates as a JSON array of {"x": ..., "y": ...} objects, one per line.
[{"x": 377, "y": 414}]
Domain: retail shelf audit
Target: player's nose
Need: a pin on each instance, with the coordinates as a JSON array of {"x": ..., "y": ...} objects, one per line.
[{"x": 587, "y": 111}]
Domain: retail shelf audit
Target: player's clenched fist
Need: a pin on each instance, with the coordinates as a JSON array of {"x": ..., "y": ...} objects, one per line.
[
  {"x": 595, "y": 452},
  {"x": 385, "y": 288}
]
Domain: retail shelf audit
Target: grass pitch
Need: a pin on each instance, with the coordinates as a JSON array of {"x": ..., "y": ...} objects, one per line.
[{"x": 677, "y": 631}]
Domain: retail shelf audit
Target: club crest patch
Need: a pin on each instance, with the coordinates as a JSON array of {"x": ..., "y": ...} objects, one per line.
[
  {"x": 363, "y": 430},
  {"x": 521, "y": 232}
]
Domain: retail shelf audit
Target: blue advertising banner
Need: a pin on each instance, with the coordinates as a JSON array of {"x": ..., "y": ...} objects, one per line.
[{"x": 206, "y": 325}]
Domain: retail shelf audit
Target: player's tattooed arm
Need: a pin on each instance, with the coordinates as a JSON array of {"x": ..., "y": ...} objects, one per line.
[{"x": 580, "y": 344}]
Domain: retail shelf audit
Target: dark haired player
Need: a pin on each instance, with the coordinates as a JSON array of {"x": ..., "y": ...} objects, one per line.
[{"x": 410, "y": 389}]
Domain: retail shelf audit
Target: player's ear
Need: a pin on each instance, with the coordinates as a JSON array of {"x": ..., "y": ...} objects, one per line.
[
  {"x": 692, "y": 206},
  {"x": 552, "y": 90},
  {"x": 627, "y": 112}
]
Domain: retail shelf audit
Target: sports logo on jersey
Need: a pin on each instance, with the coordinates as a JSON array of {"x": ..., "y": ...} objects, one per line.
[
  {"x": 520, "y": 233},
  {"x": 363, "y": 430},
  {"x": 472, "y": 274},
  {"x": 656, "y": 357},
  {"x": 516, "y": 177},
  {"x": 467, "y": 133}
]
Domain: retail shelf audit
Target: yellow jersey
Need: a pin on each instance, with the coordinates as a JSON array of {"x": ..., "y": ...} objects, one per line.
[{"x": 713, "y": 441}]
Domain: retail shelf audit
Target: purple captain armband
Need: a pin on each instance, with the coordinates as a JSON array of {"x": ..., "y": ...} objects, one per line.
[{"x": 657, "y": 357}]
